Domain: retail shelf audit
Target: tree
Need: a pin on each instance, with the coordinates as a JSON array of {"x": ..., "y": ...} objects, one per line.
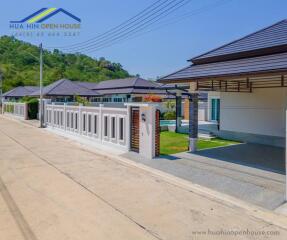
[{"x": 21, "y": 68}]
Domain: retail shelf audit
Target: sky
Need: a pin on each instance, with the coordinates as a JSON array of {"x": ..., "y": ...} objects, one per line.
[{"x": 164, "y": 50}]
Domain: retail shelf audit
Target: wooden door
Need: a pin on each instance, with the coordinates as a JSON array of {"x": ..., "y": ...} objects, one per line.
[{"x": 135, "y": 129}]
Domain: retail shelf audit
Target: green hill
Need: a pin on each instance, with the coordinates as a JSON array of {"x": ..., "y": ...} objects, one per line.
[{"x": 20, "y": 67}]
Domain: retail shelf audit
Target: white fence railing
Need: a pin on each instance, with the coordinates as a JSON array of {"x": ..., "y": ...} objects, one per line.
[
  {"x": 102, "y": 124},
  {"x": 16, "y": 109}
]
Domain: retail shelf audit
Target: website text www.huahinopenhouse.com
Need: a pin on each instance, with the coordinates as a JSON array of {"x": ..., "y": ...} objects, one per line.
[{"x": 235, "y": 232}]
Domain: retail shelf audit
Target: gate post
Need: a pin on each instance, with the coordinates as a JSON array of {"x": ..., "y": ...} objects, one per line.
[
  {"x": 128, "y": 128},
  {"x": 101, "y": 122},
  {"x": 148, "y": 131},
  {"x": 26, "y": 115},
  {"x": 145, "y": 131},
  {"x": 193, "y": 121}
]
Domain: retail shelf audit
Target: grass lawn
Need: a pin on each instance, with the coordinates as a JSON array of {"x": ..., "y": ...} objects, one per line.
[{"x": 171, "y": 142}]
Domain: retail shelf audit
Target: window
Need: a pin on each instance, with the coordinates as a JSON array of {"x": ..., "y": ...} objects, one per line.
[
  {"x": 89, "y": 123},
  {"x": 215, "y": 109},
  {"x": 61, "y": 115},
  {"x": 118, "y": 100},
  {"x": 72, "y": 120},
  {"x": 105, "y": 126},
  {"x": 68, "y": 119},
  {"x": 55, "y": 115},
  {"x": 95, "y": 124},
  {"x": 58, "y": 117},
  {"x": 49, "y": 116},
  {"x": 76, "y": 121},
  {"x": 113, "y": 127},
  {"x": 121, "y": 129},
  {"x": 107, "y": 99},
  {"x": 84, "y": 122}
]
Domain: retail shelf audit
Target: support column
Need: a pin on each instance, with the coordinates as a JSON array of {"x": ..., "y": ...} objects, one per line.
[
  {"x": 286, "y": 160},
  {"x": 178, "y": 112},
  {"x": 193, "y": 121},
  {"x": 26, "y": 115}
]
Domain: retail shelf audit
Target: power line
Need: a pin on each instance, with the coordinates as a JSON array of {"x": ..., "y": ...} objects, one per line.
[
  {"x": 136, "y": 28},
  {"x": 146, "y": 20},
  {"x": 178, "y": 19},
  {"x": 175, "y": 20},
  {"x": 118, "y": 27}
]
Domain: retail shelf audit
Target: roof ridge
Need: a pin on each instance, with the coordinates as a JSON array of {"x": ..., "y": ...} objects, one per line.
[
  {"x": 237, "y": 40},
  {"x": 136, "y": 79},
  {"x": 58, "y": 83}
]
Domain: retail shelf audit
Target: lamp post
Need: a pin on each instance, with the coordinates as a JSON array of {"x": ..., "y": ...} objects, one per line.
[{"x": 41, "y": 115}]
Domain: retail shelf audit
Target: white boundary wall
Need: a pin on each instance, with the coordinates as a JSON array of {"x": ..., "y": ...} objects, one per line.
[
  {"x": 101, "y": 124},
  {"x": 16, "y": 109}
]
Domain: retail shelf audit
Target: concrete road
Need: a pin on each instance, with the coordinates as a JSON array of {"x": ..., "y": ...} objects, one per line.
[{"x": 53, "y": 189}]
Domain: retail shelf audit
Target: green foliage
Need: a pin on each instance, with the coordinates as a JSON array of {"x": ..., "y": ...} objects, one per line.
[
  {"x": 170, "y": 105},
  {"x": 82, "y": 100},
  {"x": 33, "y": 108},
  {"x": 9, "y": 108},
  {"x": 27, "y": 99},
  {"x": 169, "y": 115},
  {"x": 20, "y": 67},
  {"x": 171, "y": 143}
]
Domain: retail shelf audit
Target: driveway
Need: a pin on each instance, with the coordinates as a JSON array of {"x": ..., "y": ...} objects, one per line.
[
  {"x": 253, "y": 155},
  {"x": 52, "y": 188},
  {"x": 250, "y": 172}
]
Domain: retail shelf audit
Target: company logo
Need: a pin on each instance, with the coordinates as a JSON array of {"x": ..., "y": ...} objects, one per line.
[
  {"x": 44, "y": 14},
  {"x": 39, "y": 24}
]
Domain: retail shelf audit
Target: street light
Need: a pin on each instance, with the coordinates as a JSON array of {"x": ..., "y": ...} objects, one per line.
[{"x": 41, "y": 115}]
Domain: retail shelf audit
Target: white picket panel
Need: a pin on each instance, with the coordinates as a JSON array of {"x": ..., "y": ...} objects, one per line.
[
  {"x": 103, "y": 124},
  {"x": 16, "y": 109}
]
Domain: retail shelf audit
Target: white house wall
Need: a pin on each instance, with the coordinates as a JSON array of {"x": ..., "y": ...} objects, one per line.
[{"x": 260, "y": 112}]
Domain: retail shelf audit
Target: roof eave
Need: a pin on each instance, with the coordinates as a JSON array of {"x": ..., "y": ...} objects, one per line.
[
  {"x": 226, "y": 76},
  {"x": 241, "y": 55}
]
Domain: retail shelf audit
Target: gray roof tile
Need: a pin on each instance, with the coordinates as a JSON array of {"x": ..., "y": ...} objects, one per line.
[
  {"x": 20, "y": 91},
  {"x": 135, "y": 82},
  {"x": 270, "y": 37},
  {"x": 262, "y": 64},
  {"x": 65, "y": 87}
]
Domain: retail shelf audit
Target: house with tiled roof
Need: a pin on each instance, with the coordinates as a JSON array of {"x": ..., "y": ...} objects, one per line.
[
  {"x": 19, "y": 92},
  {"x": 247, "y": 78},
  {"x": 64, "y": 90}
]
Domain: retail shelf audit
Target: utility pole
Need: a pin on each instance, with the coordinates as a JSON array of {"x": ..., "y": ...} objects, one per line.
[{"x": 41, "y": 115}]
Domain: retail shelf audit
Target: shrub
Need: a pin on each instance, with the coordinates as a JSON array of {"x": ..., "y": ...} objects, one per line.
[
  {"x": 169, "y": 115},
  {"x": 33, "y": 108},
  {"x": 170, "y": 105},
  {"x": 82, "y": 100}
]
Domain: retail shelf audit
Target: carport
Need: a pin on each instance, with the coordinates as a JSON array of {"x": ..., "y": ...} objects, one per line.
[{"x": 250, "y": 75}]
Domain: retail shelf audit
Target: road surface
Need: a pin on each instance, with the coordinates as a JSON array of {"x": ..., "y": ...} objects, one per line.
[{"x": 52, "y": 188}]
